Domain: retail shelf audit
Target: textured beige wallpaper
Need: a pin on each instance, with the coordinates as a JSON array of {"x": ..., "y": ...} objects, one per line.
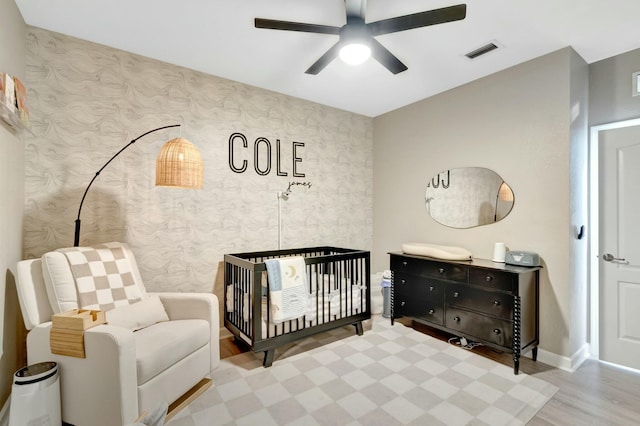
[{"x": 87, "y": 101}]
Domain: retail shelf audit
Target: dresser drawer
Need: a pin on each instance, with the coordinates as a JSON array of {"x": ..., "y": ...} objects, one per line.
[
  {"x": 429, "y": 268},
  {"x": 493, "y": 330},
  {"x": 493, "y": 279},
  {"x": 411, "y": 306},
  {"x": 419, "y": 287},
  {"x": 489, "y": 302},
  {"x": 418, "y": 297}
]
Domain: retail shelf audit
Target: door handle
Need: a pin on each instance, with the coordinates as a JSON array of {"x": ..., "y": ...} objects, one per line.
[{"x": 608, "y": 257}]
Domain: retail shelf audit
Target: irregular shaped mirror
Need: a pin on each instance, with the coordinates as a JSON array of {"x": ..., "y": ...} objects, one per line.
[{"x": 468, "y": 197}]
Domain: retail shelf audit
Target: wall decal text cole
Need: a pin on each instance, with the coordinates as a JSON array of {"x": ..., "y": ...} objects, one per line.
[{"x": 239, "y": 154}]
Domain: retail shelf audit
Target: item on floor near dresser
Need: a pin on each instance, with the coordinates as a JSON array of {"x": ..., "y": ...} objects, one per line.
[
  {"x": 437, "y": 251},
  {"x": 499, "y": 252},
  {"x": 385, "y": 287},
  {"x": 489, "y": 303},
  {"x": 339, "y": 294},
  {"x": 522, "y": 258}
]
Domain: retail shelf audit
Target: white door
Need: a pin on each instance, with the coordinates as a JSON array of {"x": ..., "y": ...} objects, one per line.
[{"x": 619, "y": 256}]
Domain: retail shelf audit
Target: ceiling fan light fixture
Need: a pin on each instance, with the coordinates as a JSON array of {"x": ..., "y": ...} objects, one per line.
[
  {"x": 355, "y": 53},
  {"x": 357, "y": 38},
  {"x": 355, "y": 42}
]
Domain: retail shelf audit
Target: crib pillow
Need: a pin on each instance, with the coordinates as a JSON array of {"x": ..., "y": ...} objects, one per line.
[{"x": 437, "y": 251}]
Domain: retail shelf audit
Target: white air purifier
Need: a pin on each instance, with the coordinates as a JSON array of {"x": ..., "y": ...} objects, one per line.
[{"x": 35, "y": 396}]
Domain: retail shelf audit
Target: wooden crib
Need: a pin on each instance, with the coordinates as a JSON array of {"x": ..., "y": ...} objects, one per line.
[{"x": 339, "y": 285}]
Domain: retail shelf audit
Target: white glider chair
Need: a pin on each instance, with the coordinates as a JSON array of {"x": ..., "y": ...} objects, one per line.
[{"x": 154, "y": 348}]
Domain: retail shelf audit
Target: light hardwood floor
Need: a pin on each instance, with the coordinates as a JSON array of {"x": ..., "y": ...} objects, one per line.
[{"x": 595, "y": 394}]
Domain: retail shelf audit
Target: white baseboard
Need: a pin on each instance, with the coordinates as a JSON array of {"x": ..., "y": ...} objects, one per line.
[
  {"x": 4, "y": 412},
  {"x": 570, "y": 364}
]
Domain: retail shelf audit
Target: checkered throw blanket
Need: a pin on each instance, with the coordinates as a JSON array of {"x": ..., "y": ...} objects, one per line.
[{"x": 103, "y": 276}]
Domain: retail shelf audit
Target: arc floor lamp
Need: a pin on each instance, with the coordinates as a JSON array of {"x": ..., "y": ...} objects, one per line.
[{"x": 178, "y": 165}]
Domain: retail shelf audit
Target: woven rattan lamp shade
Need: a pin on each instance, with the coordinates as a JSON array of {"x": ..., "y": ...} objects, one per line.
[{"x": 179, "y": 165}]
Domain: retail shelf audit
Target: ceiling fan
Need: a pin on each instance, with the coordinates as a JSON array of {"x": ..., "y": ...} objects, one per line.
[{"x": 358, "y": 37}]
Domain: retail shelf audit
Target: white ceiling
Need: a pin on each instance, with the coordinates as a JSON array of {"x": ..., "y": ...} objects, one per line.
[{"x": 218, "y": 37}]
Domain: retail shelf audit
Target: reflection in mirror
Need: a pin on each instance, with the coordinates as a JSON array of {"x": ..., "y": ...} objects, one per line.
[{"x": 468, "y": 197}]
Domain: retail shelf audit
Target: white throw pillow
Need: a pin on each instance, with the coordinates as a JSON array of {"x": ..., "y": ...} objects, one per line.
[{"x": 138, "y": 315}]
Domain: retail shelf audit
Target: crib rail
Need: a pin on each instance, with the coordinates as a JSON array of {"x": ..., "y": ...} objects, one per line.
[{"x": 338, "y": 280}]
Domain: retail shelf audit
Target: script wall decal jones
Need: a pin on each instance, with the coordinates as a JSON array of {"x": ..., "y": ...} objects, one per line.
[{"x": 239, "y": 152}]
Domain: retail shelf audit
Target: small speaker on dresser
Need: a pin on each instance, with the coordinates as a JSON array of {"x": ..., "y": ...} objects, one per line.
[{"x": 522, "y": 258}]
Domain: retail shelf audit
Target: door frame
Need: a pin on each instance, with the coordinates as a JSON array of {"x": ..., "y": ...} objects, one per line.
[{"x": 594, "y": 226}]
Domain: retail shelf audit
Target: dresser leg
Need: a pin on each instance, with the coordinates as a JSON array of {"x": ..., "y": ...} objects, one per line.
[
  {"x": 516, "y": 365},
  {"x": 534, "y": 353}
]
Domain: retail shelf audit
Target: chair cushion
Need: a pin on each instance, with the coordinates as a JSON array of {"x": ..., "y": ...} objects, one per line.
[
  {"x": 98, "y": 277},
  {"x": 103, "y": 275},
  {"x": 138, "y": 315},
  {"x": 59, "y": 282},
  {"x": 32, "y": 293},
  {"x": 161, "y": 345}
]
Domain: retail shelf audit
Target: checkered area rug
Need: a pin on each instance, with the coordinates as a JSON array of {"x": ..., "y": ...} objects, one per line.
[{"x": 393, "y": 375}]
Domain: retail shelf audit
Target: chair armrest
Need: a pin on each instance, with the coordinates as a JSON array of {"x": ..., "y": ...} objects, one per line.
[
  {"x": 190, "y": 306},
  {"x": 109, "y": 369},
  {"x": 196, "y": 306}
]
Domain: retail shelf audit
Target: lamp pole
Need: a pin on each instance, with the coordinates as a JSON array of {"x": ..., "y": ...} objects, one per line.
[{"x": 76, "y": 239}]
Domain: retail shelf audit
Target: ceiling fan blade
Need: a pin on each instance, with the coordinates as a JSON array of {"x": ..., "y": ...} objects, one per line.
[
  {"x": 273, "y": 24},
  {"x": 324, "y": 60},
  {"x": 417, "y": 20},
  {"x": 386, "y": 58}
]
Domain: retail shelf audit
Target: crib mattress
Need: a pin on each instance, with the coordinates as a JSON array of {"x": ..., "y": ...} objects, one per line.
[{"x": 324, "y": 308}]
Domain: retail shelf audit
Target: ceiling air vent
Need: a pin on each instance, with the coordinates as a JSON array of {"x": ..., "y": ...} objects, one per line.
[{"x": 482, "y": 50}]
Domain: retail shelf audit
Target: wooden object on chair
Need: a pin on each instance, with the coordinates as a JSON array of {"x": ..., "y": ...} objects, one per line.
[{"x": 67, "y": 330}]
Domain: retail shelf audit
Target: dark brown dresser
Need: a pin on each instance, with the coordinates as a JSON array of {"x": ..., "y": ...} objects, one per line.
[{"x": 484, "y": 301}]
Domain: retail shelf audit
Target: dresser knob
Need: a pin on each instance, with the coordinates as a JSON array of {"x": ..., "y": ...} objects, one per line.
[
  {"x": 402, "y": 303},
  {"x": 488, "y": 278},
  {"x": 496, "y": 302},
  {"x": 456, "y": 294},
  {"x": 441, "y": 270},
  {"x": 404, "y": 263},
  {"x": 431, "y": 311},
  {"x": 456, "y": 319},
  {"x": 496, "y": 330},
  {"x": 402, "y": 281},
  {"x": 431, "y": 288}
]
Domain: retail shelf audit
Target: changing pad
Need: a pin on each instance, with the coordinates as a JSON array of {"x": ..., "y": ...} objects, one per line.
[{"x": 437, "y": 251}]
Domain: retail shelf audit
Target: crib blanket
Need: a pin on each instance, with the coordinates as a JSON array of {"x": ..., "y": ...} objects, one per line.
[{"x": 287, "y": 288}]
